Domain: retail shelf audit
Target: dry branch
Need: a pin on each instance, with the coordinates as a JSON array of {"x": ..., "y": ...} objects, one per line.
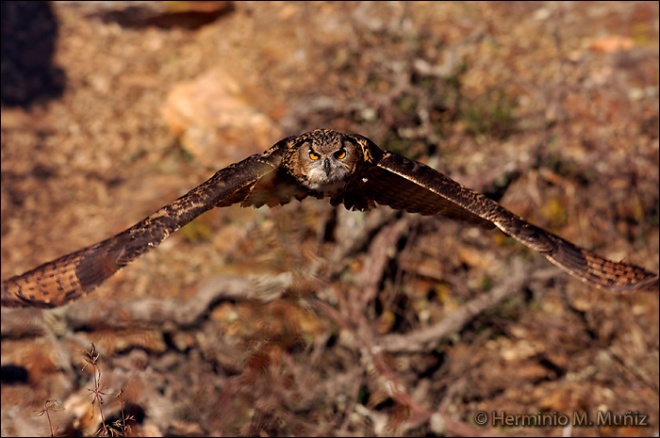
[{"x": 428, "y": 338}]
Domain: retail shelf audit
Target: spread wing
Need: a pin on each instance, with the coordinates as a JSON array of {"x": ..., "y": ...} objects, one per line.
[
  {"x": 253, "y": 181},
  {"x": 381, "y": 177},
  {"x": 407, "y": 185}
]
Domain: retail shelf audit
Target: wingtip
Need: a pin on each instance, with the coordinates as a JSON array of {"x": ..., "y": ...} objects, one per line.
[
  {"x": 651, "y": 284},
  {"x": 648, "y": 284}
]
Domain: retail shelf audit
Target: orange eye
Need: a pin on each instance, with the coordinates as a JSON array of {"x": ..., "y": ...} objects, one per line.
[
  {"x": 314, "y": 156},
  {"x": 340, "y": 154}
]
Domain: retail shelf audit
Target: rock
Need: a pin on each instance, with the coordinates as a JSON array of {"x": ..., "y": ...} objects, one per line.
[{"x": 215, "y": 122}]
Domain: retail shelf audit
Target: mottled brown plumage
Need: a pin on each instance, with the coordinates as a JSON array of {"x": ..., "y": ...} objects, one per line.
[{"x": 348, "y": 169}]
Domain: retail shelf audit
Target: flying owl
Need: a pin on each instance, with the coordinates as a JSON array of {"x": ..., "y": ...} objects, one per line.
[{"x": 347, "y": 168}]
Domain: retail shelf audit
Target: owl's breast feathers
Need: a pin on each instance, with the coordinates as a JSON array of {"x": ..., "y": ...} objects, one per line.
[{"x": 288, "y": 181}]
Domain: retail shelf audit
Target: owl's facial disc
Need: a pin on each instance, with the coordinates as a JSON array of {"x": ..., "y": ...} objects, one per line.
[{"x": 325, "y": 166}]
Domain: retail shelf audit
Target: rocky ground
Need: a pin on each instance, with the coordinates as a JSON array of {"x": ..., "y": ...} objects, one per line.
[{"x": 309, "y": 320}]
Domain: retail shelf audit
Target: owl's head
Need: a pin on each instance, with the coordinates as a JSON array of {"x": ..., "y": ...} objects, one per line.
[{"x": 326, "y": 160}]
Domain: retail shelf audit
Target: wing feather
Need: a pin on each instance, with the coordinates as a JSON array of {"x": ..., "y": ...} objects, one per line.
[
  {"x": 408, "y": 185},
  {"x": 405, "y": 184},
  {"x": 69, "y": 277}
]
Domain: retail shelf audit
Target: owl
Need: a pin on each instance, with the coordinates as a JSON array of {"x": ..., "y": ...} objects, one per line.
[
  {"x": 324, "y": 163},
  {"x": 347, "y": 169}
]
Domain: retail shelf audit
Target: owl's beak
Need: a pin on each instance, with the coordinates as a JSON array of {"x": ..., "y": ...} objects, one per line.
[{"x": 326, "y": 166}]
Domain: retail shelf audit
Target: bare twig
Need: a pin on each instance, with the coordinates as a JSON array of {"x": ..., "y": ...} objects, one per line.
[
  {"x": 50, "y": 405},
  {"x": 92, "y": 358}
]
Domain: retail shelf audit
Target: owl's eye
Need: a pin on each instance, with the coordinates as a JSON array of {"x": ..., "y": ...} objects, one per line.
[
  {"x": 314, "y": 156},
  {"x": 340, "y": 154}
]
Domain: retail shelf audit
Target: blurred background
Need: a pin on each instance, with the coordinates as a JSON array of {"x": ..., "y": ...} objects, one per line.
[{"x": 309, "y": 320}]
